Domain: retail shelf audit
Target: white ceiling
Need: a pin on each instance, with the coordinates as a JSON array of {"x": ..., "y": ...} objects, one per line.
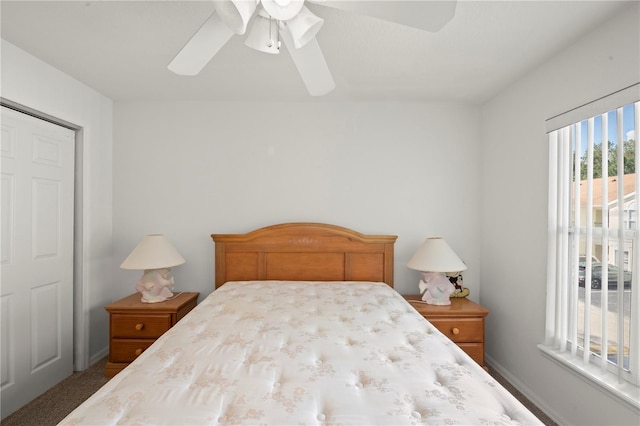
[{"x": 122, "y": 48}]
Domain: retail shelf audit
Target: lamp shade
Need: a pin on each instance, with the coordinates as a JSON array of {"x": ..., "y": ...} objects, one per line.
[
  {"x": 153, "y": 252},
  {"x": 435, "y": 255}
]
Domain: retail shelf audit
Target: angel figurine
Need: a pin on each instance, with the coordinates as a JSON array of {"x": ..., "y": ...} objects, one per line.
[
  {"x": 155, "y": 285},
  {"x": 435, "y": 288}
]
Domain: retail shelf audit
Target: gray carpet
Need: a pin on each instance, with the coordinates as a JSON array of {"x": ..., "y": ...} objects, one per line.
[{"x": 54, "y": 405}]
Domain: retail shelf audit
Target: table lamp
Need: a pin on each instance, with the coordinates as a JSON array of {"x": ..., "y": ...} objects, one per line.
[
  {"x": 155, "y": 255},
  {"x": 434, "y": 258}
]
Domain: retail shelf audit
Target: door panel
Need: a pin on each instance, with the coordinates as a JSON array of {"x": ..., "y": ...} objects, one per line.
[
  {"x": 45, "y": 329},
  {"x": 46, "y": 220},
  {"x": 36, "y": 300}
]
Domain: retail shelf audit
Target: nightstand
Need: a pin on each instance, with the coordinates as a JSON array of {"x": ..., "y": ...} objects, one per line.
[
  {"x": 462, "y": 322},
  {"x": 134, "y": 326}
]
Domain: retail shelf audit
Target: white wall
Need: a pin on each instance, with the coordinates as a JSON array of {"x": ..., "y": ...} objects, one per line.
[
  {"x": 28, "y": 81},
  {"x": 190, "y": 169},
  {"x": 514, "y": 214}
]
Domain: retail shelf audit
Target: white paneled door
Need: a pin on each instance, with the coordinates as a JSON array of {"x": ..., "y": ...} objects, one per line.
[{"x": 36, "y": 287}]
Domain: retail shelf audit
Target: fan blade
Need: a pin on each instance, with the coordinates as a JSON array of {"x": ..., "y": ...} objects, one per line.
[
  {"x": 202, "y": 47},
  {"x": 422, "y": 14},
  {"x": 311, "y": 65}
]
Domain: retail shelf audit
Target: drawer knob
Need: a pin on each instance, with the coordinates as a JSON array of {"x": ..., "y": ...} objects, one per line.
[
  {"x": 138, "y": 351},
  {"x": 139, "y": 326},
  {"x": 455, "y": 330}
]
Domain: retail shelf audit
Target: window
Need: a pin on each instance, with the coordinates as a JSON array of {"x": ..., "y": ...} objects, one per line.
[
  {"x": 593, "y": 276},
  {"x": 630, "y": 215}
]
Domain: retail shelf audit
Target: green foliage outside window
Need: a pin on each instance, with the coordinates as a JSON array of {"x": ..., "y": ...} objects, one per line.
[{"x": 629, "y": 152}]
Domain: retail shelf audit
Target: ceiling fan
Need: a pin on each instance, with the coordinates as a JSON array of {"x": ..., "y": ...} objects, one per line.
[{"x": 268, "y": 22}]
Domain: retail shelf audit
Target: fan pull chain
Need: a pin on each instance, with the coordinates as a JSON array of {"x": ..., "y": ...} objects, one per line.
[{"x": 271, "y": 41}]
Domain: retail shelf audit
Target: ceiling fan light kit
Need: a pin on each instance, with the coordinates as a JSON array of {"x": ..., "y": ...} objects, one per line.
[
  {"x": 283, "y": 10},
  {"x": 269, "y": 21},
  {"x": 304, "y": 27},
  {"x": 264, "y": 34},
  {"x": 236, "y": 14}
]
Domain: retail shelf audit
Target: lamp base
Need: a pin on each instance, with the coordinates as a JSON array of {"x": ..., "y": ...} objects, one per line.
[
  {"x": 155, "y": 285},
  {"x": 435, "y": 288}
]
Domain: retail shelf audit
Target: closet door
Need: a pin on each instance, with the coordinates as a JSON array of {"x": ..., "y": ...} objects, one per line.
[{"x": 36, "y": 310}]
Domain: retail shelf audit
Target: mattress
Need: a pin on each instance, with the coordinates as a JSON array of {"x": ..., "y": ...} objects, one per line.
[{"x": 302, "y": 353}]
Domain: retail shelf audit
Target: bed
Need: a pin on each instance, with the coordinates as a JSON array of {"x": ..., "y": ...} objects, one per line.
[{"x": 303, "y": 328}]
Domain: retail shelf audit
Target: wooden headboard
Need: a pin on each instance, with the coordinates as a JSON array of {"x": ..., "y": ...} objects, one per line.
[{"x": 303, "y": 252}]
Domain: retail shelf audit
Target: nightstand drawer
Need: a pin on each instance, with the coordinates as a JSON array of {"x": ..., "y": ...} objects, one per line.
[
  {"x": 461, "y": 329},
  {"x": 462, "y": 321},
  {"x": 135, "y": 325},
  {"x": 126, "y": 350},
  {"x": 474, "y": 350},
  {"x": 139, "y": 326}
]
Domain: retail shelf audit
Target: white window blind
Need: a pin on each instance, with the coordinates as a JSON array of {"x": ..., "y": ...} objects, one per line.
[{"x": 593, "y": 295}]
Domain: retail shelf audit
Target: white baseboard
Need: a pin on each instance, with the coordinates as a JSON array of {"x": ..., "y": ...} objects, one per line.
[
  {"x": 98, "y": 356},
  {"x": 524, "y": 390}
]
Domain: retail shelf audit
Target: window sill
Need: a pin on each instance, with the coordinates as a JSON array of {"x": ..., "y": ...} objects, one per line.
[{"x": 592, "y": 374}]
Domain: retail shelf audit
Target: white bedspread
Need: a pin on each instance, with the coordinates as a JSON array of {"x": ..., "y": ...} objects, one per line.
[{"x": 292, "y": 353}]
